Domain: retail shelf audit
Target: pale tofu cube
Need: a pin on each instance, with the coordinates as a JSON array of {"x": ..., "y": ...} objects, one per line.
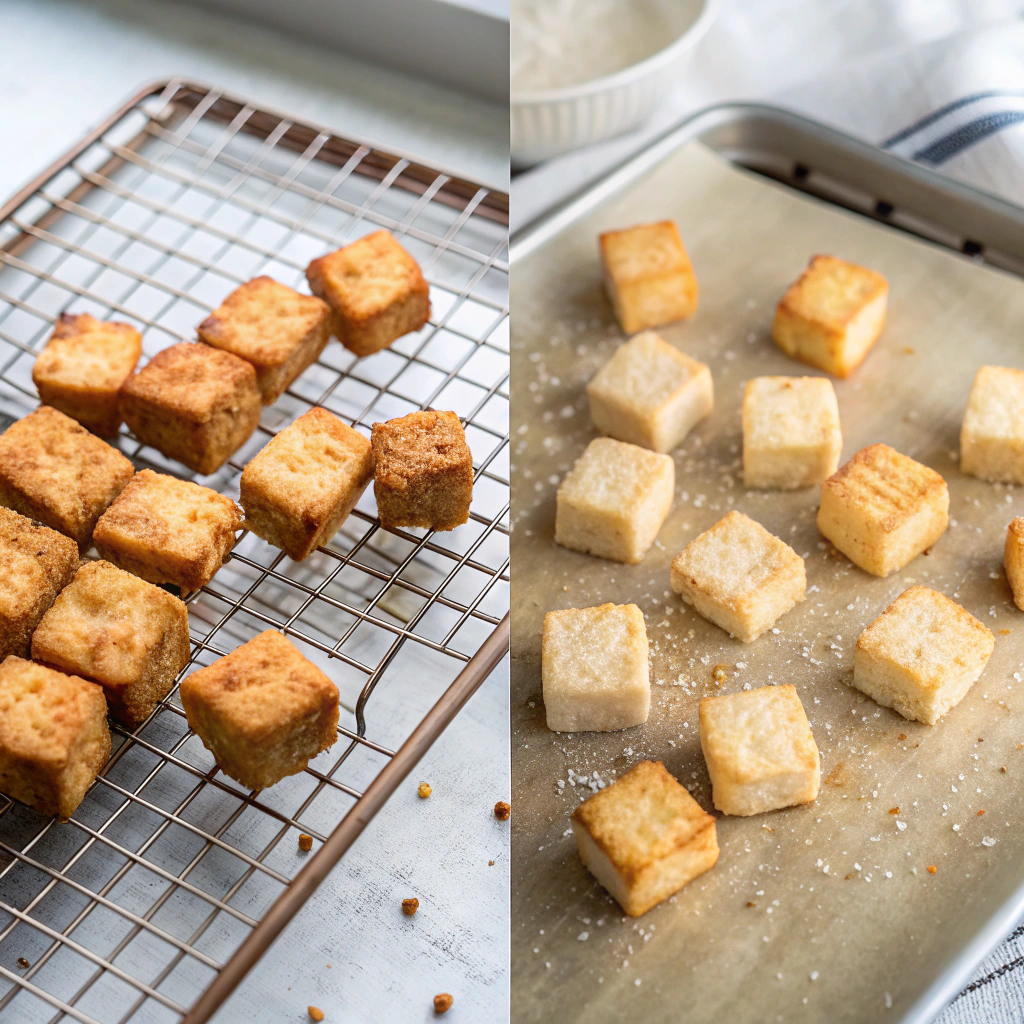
[
  {"x": 739, "y": 576},
  {"x": 992, "y": 434},
  {"x": 759, "y": 750},
  {"x": 650, "y": 394},
  {"x": 921, "y": 655},
  {"x": 613, "y": 501},
  {"x": 594, "y": 669},
  {"x": 644, "y": 837},
  {"x": 1013, "y": 560},
  {"x": 882, "y": 509},
  {"x": 791, "y": 435}
]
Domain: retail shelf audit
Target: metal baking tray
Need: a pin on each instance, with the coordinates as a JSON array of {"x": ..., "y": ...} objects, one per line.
[
  {"x": 171, "y": 881},
  {"x": 825, "y": 912}
]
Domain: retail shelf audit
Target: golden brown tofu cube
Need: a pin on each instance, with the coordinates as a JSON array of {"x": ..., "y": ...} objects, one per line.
[
  {"x": 54, "y": 737},
  {"x": 422, "y": 471},
  {"x": 82, "y": 368},
  {"x": 129, "y": 636},
  {"x": 36, "y": 563},
  {"x": 263, "y": 711},
  {"x": 1013, "y": 560},
  {"x": 53, "y": 470},
  {"x": 376, "y": 289},
  {"x": 278, "y": 330},
  {"x": 194, "y": 403},
  {"x": 169, "y": 531},
  {"x": 298, "y": 491},
  {"x": 648, "y": 276}
]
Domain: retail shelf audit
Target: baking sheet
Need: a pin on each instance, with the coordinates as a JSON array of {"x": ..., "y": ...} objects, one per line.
[{"x": 819, "y": 913}]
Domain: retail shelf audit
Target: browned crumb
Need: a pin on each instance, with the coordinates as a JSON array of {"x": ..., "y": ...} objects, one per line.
[
  {"x": 1003, "y": 769},
  {"x": 932, "y": 869},
  {"x": 315, "y": 1012},
  {"x": 909, "y": 351},
  {"x": 848, "y": 877},
  {"x": 719, "y": 674},
  {"x": 410, "y": 906},
  {"x": 490, "y": 863},
  {"x": 751, "y": 903},
  {"x": 23, "y": 963},
  {"x": 443, "y": 1003},
  {"x": 305, "y": 843},
  {"x": 767, "y": 828},
  {"x": 502, "y": 810},
  {"x": 894, "y": 810},
  {"x": 981, "y": 812},
  {"x": 1020, "y": 745},
  {"x": 1005, "y": 632},
  {"x": 424, "y": 790},
  {"x": 903, "y": 735},
  {"x": 980, "y": 740}
]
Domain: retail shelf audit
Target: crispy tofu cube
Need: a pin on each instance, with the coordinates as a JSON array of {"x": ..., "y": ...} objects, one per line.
[
  {"x": 129, "y": 636},
  {"x": 832, "y": 316},
  {"x": 992, "y": 433},
  {"x": 791, "y": 435},
  {"x": 1013, "y": 560},
  {"x": 613, "y": 501},
  {"x": 644, "y": 837},
  {"x": 194, "y": 403},
  {"x": 921, "y": 655},
  {"x": 278, "y": 330},
  {"x": 53, "y": 470},
  {"x": 648, "y": 276},
  {"x": 376, "y": 289},
  {"x": 882, "y": 509},
  {"x": 298, "y": 491},
  {"x": 594, "y": 669},
  {"x": 650, "y": 394},
  {"x": 739, "y": 576},
  {"x": 759, "y": 750},
  {"x": 422, "y": 471},
  {"x": 36, "y": 563},
  {"x": 167, "y": 530},
  {"x": 263, "y": 711},
  {"x": 82, "y": 368},
  {"x": 54, "y": 737}
]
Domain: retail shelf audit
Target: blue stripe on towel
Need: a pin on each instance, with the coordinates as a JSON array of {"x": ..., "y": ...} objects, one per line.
[
  {"x": 943, "y": 111},
  {"x": 967, "y": 135}
]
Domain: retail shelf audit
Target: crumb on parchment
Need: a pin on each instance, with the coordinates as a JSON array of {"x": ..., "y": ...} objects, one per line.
[
  {"x": 410, "y": 906},
  {"x": 315, "y": 1012},
  {"x": 502, "y": 810},
  {"x": 443, "y": 1002},
  {"x": 424, "y": 790},
  {"x": 305, "y": 843}
]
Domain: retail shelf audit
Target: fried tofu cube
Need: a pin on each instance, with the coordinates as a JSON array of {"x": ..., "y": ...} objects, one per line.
[
  {"x": 594, "y": 669},
  {"x": 278, "y": 330},
  {"x": 422, "y": 471},
  {"x": 921, "y": 655},
  {"x": 992, "y": 433},
  {"x": 832, "y": 316},
  {"x": 129, "y": 636},
  {"x": 82, "y": 368},
  {"x": 882, "y": 509},
  {"x": 648, "y": 276},
  {"x": 54, "y": 471},
  {"x": 613, "y": 501},
  {"x": 194, "y": 403},
  {"x": 644, "y": 837},
  {"x": 167, "y": 530},
  {"x": 759, "y": 750},
  {"x": 263, "y": 711},
  {"x": 376, "y": 289},
  {"x": 739, "y": 576},
  {"x": 1013, "y": 560},
  {"x": 301, "y": 487},
  {"x": 791, "y": 435},
  {"x": 36, "y": 563},
  {"x": 54, "y": 737}
]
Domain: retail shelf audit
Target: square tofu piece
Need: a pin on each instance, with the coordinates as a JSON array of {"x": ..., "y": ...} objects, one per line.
[
  {"x": 882, "y": 509},
  {"x": 648, "y": 276},
  {"x": 82, "y": 368},
  {"x": 53, "y": 470},
  {"x": 791, "y": 435},
  {"x": 992, "y": 433},
  {"x": 129, "y": 636},
  {"x": 650, "y": 394},
  {"x": 422, "y": 471},
  {"x": 759, "y": 750},
  {"x": 298, "y": 491},
  {"x": 921, "y": 655},
  {"x": 194, "y": 403},
  {"x": 739, "y": 576},
  {"x": 613, "y": 501},
  {"x": 263, "y": 711},
  {"x": 644, "y": 837},
  {"x": 278, "y": 330},
  {"x": 54, "y": 737},
  {"x": 169, "y": 531},
  {"x": 832, "y": 316},
  {"x": 376, "y": 289},
  {"x": 36, "y": 563},
  {"x": 594, "y": 668},
  {"x": 1013, "y": 560}
]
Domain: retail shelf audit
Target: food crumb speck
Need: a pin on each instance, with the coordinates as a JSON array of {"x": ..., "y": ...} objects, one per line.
[
  {"x": 315, "y": 1012},
  {"x": 443, "y": 1003},
  {"x": 410, "y": 906},
  {"x": 502, "y": 810},
  {"x": 424, "y": 790},
  {"x": 305, "y": 843}
]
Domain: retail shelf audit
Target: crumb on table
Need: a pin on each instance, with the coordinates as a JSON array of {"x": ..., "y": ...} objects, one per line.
[
  {"x": 502, "y": 810},
  {"x": 410, "y": 906},
  {"x": 932, "y": 869},
  {"x": 443, "y": 1002}
]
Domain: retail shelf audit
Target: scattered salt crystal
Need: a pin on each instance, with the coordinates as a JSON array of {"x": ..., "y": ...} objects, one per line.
[{"x": 988, "y": 841}]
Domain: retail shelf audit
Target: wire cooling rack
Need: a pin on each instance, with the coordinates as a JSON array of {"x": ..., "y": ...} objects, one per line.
[{"x": 171, "y": 880}]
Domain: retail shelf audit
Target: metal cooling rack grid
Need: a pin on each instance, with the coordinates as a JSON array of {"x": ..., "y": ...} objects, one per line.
[{"x": 164, "y": 884}]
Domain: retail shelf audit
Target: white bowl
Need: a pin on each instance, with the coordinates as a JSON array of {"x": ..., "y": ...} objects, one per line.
[{"x": 549, "y": 122}]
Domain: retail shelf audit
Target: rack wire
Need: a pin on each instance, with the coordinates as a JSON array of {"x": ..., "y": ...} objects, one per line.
[{"x": 171, "y": 880}]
